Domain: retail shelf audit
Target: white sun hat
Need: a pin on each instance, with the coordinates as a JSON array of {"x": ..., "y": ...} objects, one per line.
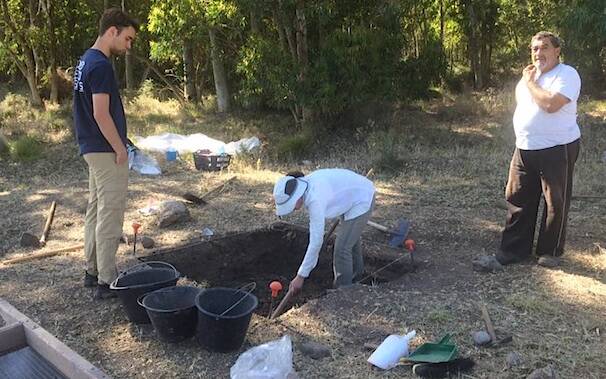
[{"x": 287, "y": 191}]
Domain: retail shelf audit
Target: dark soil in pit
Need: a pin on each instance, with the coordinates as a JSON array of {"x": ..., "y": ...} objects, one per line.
[{"x": 269, "y": 254}]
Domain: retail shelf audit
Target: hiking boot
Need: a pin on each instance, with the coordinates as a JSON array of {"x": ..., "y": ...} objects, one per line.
[
  {"x": 549, "y": 261},
  {"x": 487, "y": 263},
  {"x": 89, "y": 280},
  {"x": 103, "y": 292}
]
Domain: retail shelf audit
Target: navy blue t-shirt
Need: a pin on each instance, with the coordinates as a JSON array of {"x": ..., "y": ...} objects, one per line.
[{"x": 94, "y": 74}]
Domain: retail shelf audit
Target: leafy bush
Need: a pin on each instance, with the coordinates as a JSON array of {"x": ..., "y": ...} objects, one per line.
[
  {"x": 384, "y": 153},
  {"x": 268, "y": 75},
  {"x": 294, "y": 146},
  {"x": 352, "y": 67},
  {"x": 26, "y": 149}
]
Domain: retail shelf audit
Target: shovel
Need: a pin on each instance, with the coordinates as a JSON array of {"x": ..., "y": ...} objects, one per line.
[{"x": 398, "y": 235}]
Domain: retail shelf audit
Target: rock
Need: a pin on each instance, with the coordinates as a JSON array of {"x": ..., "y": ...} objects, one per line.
[
  {"x": 172, "y": 212},
  {"x": 487, "y": 263},
  {"x": 481, "y": 338},
  {"x": 514, "y": 359},
  {"x": 314, "y": 350},
  {"x": 543, "y": 373},
  {"x": 147, "y": 242}
]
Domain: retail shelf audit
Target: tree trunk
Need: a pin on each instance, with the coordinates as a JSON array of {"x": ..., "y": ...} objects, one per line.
[
  {"x": 33, "y": 88},
  {"x": 129, "y": 76},
  {"x": 48, "y": 7},
  {"x": 32, "y": 24},
  {"x": 128, "y": 65},
  {"x": 302, "y": 55},
  {"x": 254, "y": 23},
  {"x": 280, "y": 29},
  {"x": 473, "y": 45},
  {"x": 29, "y": 68},
  {"x": 188, "y": 69},
  {"x": 443, "y": 60},
  {"x": 219, "y": 73},
  {"x": 287, "y": 24}
]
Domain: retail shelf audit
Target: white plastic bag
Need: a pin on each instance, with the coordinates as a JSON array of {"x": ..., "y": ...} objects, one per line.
[
  {"x": 143, "y": 163},
  {"x": 271, "y": 360}
]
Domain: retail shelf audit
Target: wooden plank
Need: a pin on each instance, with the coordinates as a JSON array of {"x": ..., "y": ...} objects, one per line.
[
  {"x": 12, "y": 337},
  {"x": 45, "y": 254}
]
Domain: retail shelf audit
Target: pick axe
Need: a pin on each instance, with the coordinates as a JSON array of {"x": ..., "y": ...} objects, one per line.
[
  {"x": 398, "y": 235},
  {"x": 29, "y": 240}
]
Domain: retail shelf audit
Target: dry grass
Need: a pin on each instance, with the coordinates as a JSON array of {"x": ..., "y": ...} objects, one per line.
[{"x": 451, "y": 178}]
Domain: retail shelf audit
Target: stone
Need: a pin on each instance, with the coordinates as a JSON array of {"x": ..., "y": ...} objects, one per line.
[
  {"x": 487, "y": 263},
  {"x": 147, "y": 242},
  {"x": 481, "y": 338},
  {"x": 314, "y": 350},
  {"x": 172, "y": 212},
  {"x": 514, "y": 359},
  {"x": 543, "y": 373}
]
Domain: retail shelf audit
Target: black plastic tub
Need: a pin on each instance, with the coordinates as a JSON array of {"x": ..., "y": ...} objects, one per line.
[
  {"x": 141, "y": 279},
  {"x": 172, "y": 311},
  {"x": 217, "y": 329}
]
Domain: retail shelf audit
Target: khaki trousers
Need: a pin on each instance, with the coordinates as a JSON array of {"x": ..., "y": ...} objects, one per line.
[
  {"x": 107, "y": 184},
  {"x": 348, "y": 262}
]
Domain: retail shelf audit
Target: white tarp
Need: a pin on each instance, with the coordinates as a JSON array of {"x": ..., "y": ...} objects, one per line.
[{"x": 194, "y": 142}]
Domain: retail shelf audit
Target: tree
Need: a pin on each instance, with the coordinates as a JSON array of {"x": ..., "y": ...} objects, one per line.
[
  {"x": 48, "y": 7},
  {"x": 22, "y": 47}
]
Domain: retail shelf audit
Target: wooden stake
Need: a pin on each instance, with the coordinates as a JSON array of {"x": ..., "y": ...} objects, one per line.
[
  {"x": 49, "y": 221},
  {"x": 43, "y": 255},
  {"x": 488, "y": 323}
]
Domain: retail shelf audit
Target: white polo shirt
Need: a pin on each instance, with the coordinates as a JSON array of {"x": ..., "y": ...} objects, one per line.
[
  {"x": 332, "y": 193},
  {"x": 536, "y": 129}
]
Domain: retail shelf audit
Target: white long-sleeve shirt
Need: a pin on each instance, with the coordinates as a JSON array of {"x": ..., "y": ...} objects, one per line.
[{"x": 332, "y": 193}]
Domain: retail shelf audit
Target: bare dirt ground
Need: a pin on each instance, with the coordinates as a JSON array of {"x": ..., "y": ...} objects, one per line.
[{"x": 452, "y": 195}]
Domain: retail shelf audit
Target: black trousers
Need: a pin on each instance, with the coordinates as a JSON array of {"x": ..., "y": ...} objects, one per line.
[{"x": 531, "y": 173}]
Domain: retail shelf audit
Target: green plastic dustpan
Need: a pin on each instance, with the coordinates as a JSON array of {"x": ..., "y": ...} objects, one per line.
[{"x": 435, "y": 352}]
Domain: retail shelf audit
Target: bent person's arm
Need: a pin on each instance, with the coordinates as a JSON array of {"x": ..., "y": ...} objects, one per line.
[
  {"x": 548, "y": 101},
  {"x": 108, "y": 127}
]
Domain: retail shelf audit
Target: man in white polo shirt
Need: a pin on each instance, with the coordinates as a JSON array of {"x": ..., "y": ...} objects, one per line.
[
  {"x": 547, "y": 147},
  {"x": 326, "y": 194}
]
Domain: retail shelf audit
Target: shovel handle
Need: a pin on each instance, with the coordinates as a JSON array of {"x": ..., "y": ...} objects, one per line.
[
  {"x": 378, "y": 226},
  {"x": 47, "y": 225},
  {"x": 282, "y": 304},
  {"x": 488, "y": 323}
]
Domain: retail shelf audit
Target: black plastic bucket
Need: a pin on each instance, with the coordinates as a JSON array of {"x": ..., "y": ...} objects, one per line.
[
  {"x": 172, "y": 311},
  {"x": 141, "y": 279},
  {"x": 224, "y": 332}
]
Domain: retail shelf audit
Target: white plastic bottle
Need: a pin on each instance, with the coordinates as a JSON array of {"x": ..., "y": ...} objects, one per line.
[{"x": 389, "y": 352}]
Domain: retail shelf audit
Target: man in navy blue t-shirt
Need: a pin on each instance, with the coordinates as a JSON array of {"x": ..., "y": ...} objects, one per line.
[{"x": 101, "y": 133}]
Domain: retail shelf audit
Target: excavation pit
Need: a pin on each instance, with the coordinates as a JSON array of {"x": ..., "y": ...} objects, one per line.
[{"x": 273, "y": 253}]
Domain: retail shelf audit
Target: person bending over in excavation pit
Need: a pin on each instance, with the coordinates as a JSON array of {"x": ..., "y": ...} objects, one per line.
[{"x": 327, "y": 194}]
